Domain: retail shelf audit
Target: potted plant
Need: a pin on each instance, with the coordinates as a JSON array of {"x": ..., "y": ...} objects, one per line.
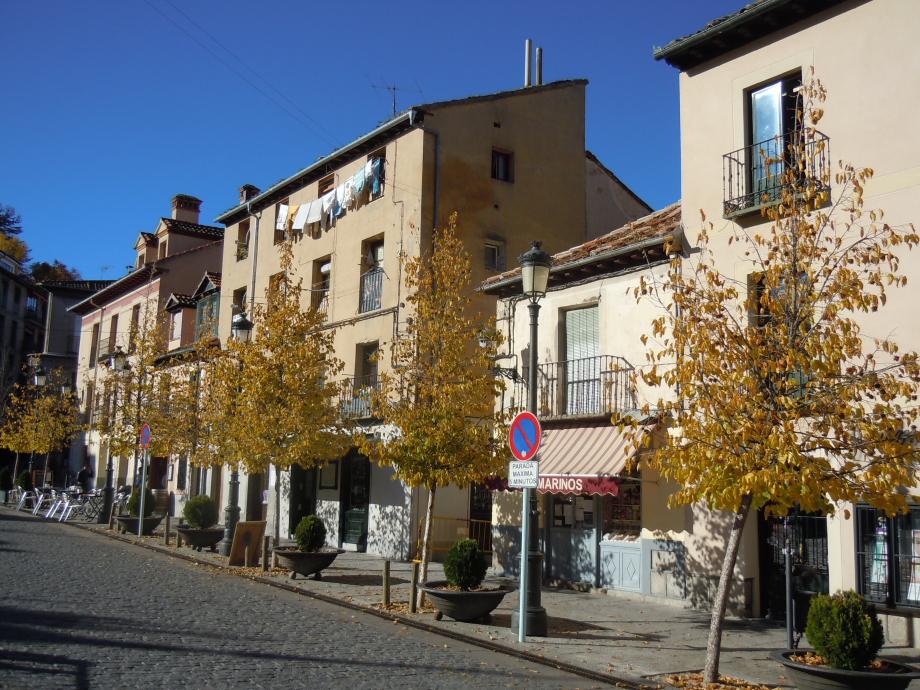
[
  {"x": 130, "y": 522},
  {"x": 846, "y": 635},
  {"x": 462, "y": 596},
  {"x": 311, "y": 555},
  {"x": 200, "y": 512}
]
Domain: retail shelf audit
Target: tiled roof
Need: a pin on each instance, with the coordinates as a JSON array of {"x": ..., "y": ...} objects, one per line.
[
  {"x": 179, "y": 300},
  {"x": 149, "y": 237},
  {"x": 80, "y": 285},
  {"x": 656, "y": 226},
  {"x": 723, "y": 34},
  {"x": 185, "y": 228},
  {"x": 213, "y": 277}
]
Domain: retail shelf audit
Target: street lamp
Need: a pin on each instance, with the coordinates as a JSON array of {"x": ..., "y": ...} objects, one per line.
[
  {"x": 118, "y": 363},
  {"x": 535, "y": 265},
  {"x": 40, "y": 378},
  {"x": 240, "y": 331}
]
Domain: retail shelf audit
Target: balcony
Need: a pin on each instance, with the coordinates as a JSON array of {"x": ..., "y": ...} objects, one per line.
[
  {"x": 586, "y": 387},
  {"x": 753, "y": 177},
  {"x": 319, "y": 297},
  {"x": 355, "y": 396},
  {"x": 242, "y": 251},
  {"x": 371, "y": 290},
  {"x": 106, "y": 349}
]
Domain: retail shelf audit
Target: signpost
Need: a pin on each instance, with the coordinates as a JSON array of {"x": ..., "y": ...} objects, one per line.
[
  {"x": 524, "y": 439},
  {"x": 145, "y": 444}
]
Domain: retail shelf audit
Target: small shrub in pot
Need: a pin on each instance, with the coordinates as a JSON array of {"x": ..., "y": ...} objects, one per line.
[
  {"x": 134, "y": 503},
  {"x": 465, "y": 565},
  {"x": 844, "y": 629},
  {"x": 200, "y": 512},
  {"x": 310, "y": 533}
]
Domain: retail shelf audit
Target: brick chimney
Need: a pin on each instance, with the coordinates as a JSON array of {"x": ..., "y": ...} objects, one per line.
[
  {"x": 186, "y": 208},
  {"x": 247, "y": 192}
]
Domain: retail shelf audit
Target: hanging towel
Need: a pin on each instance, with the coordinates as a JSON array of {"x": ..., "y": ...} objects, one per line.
[
  {"x": 348, "y": 198},
  {"x": 281, "y": 220},
  {"x": 329, "y": 208},
  {"x": 315, "y": 214},
  {"x": 376, "y": 175},
  {"x": 300, "y": 218},
  {"x": 292, "y": 216},
  {"x": 339, "y": 200},
  {"x": 357, "y": 180}
]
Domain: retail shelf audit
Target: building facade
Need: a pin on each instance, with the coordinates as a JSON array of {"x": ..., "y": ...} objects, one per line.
[
  {"x": 511, "y": 176},
  {"x": 169, "y": 261}
]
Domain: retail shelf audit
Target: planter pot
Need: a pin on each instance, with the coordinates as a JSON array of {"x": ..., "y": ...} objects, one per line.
[
  {"x": 201, "y": 538},
  {"x": 306, "y": 562},
  {"x": 463, "y": 606},
  {"x": 806, "y": 677},
  {"x": 129, "y": 524}
]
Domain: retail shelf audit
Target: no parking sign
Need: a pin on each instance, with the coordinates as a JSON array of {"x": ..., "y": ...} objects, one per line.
[{"x": 524, "y": 436}]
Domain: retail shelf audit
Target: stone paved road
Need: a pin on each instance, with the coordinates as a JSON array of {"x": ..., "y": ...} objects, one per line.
[{"x": 79, "y": 610}]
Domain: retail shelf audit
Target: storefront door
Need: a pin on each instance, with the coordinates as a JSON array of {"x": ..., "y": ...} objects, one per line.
[
  {"x": 356, "y": 490},
  {"x": 302, "y": 500},
  {"x": 572, "y": 538},
  {"x": 256, "y": 503}
]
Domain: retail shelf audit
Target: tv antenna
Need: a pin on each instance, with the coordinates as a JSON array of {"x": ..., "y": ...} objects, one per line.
[{"x": 393, "y": 89}]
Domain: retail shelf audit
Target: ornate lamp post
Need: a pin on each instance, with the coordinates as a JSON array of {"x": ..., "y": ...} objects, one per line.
[
  {"x": 535, "y": 265},
  {"x": 241, "y": 331}
]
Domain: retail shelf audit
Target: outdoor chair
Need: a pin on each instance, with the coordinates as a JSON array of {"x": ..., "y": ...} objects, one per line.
[
  {"x": 25, "y": 497},
  {"x": 42, "y": 498},
  {"x": 57, "y": 502}
]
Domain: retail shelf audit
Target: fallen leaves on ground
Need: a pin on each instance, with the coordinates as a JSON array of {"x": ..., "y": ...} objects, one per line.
[
  {"x": 694, "y": 681},
  {"x": 402, "y": 607}
]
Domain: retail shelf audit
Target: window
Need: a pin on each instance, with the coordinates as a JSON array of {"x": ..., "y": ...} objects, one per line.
[
  {"x": 113, "y": 333},
  {"x": 281, "y": 221},
  {"x": 183, "y": 472},
  {"x": 325, "y": 185},
  {"x": 32, "y": 305},
  {"x": 502, "y": 165},
  {"x": 322, "y": 279},
  {"x": 161, "y": 250},
  {"x": 94, "y": 345},
  {"x": 622, "y": 513},
  {"x": 582, "y": 363},
  {"x": 378, "y": 164},
  {"x": 242, "y": 241},
  {"x": 89, "y": 401},
  {"x": 771, "y": 121},
  {"x": 888, "y": 556},
  {"x": 371, "y": 288},
  {"x": 494, "y": 255},
  {"x": 239, "y": 300},
  {"x": 574, "y": 512},
  {"x": 135, "y": 325},
  {"x": 175, "y": 325},
  {"x": 206, "y": 316}
]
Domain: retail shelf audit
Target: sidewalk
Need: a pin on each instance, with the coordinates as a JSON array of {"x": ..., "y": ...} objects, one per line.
[{"x": 617, "y": 637}]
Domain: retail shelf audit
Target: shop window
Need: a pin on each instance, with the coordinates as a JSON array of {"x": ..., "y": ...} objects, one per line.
[
  {"x": 502, "y": 165},
  {"x": 888, "y": 556},
  {"x": 623, "y": 512},
  {"x": 573, "y": 512}
]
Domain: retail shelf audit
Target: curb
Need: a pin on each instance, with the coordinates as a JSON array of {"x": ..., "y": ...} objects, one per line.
[{"x": 627, "y": 682}]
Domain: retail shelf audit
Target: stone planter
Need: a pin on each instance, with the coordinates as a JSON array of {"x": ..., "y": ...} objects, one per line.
[
  {"x": 201, "y": 538},
  {"x": 463, "y": 606},
  {"x": 807, "y": 677},
  {"x": 306, "y": 562},
  {"x": 129, "y": 524}
]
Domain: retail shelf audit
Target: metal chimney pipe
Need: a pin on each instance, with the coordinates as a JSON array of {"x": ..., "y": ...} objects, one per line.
[
  {"x": 528, "y": 49},
  {"x": 539, "y": 66}
]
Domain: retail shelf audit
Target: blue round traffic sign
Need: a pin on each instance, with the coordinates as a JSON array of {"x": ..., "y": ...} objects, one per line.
[
  {"x": 145, "y": 436},
  {"x": 524, "y": 436}
]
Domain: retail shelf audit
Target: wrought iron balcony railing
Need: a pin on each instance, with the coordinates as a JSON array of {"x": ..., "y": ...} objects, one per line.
[
  {"x": 355, "y": 396},
  {"x": 588, "y": 386},
  {"x": 755, "y": 176},
  {"x": 371, "y": 290}
]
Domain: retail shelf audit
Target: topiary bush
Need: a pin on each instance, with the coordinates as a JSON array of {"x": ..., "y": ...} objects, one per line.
[
  {"x": 310, "y": 533},
  {"x": 844, "y": 629},
  {"x": 6, "y": 481},
  {"x": 200, "y": 512},
  {"x": 24, "y": 480},
  {"x": 134, "y": 503},
  {"x": 465, "y": 565}
]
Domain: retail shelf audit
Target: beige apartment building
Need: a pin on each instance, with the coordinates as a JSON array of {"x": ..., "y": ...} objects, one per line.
[
  {"x": 169, "y": 261},
  {"x": 513, "y": 165},
  {"x": 737, "y": 78}
]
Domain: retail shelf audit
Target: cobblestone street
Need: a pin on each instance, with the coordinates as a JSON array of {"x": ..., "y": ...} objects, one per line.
[{"x": 79, "y": 610}]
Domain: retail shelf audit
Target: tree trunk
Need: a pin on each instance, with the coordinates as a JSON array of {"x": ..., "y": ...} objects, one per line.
[
  {"x": 45, "y": 473},
  {"x": 714, "y": 644},
  {"x": 16, "y": 470},
  {"x": 426, "y": 542}
]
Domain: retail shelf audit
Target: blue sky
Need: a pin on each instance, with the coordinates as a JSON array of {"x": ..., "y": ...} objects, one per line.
[{"x": 110, "y": 107}]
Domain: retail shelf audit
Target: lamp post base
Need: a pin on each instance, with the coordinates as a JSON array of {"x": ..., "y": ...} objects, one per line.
[
  {"x": 537, "y": 621},
  {"x": 108, "y": 498},
  {"x": 536, "y": 614},
  {"x": 231, "y": 514}
]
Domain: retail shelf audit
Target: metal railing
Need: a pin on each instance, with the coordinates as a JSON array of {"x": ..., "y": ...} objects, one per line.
[
  {"x": 106, "y": 349},
  {"x": 754, "y": 176},
  {"x": 371, "y": 290},
  {"x": 447, "y": 530},
  {"x": 319, "y": 298},
  {"x": 355, "y": 396},
  {"x": 597, "y": 385}
]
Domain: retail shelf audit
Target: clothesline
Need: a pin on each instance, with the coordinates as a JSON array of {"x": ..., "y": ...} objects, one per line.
[{"x": 325, "y": 209}]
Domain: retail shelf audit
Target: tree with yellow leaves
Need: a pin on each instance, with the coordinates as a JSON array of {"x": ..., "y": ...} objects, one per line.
[
  {"x": 440, "y": 396},
  {"x": 779, "y": 400},
  {"x": 272, "y": 401}
]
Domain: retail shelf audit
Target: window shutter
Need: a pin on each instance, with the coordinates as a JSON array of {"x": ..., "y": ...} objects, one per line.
[{"x": 581, "y": 333}]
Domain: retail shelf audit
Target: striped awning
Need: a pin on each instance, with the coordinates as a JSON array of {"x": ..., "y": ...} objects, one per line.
[{"x": 584, "y": 460}]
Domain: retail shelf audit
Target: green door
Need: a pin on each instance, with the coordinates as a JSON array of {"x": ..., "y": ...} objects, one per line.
[{"x": 356, "y": 490}]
